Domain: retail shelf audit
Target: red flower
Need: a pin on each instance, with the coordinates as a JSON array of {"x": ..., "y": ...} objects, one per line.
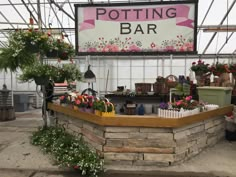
[{"x": 76, "y": 167}]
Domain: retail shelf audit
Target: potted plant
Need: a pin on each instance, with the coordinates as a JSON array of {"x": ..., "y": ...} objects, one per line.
[
  {"x": 200, "y": 68},
  {"x": 65, "y": 50},
  {"x": 58, "y": 48},
  {"x": 11, "y": 58},
  {"x": 219, "y": 68},
  {"x": 71, "y": 72},
  {"x": 51, "y": 48},
  {"x": 40, "y": 73},
  {"x": 33, "y": 40}
]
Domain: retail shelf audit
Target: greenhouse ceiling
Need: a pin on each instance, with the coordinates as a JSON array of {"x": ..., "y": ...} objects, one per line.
[{"x": 215, "y": 31}]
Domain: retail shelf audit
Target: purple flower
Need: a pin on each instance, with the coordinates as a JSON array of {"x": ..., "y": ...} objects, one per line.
[{"x": 163, "y": 105}]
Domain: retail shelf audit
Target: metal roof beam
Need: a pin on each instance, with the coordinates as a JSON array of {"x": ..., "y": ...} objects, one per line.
[
  {"x": 37, "y": 13},
  {"x": 31, "y": 14},
  {"x": 6, "y": 19},
  {"x": 15, "y": 23},
  {"x": 71, "y": 8},
  {"x": 222, "y": 21},
  {"x": 225, "y": 42},
  {"x": 206, "y": 14},
  {"x": 3, "y": 44},
  {"x": 17, "y": 11},
  {"x": 58, "y": 20},
  {"x": 60, "y": 8}
]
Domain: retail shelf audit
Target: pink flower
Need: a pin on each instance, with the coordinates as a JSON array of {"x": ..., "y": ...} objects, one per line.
[
  {"x": 134, "y": 48},
  {"x": 62, "y": 97},
  {"x": 110, "y": 48},
  {"x": 153, "y": 45},
  {"x": 92, "y": 49},
  {"x": 77, "y": 102},
  {"x": 170, "y": 48},
  {"x": 193, "y": 63},
  {"x": 188, "y": 98},
  {"x": 179, "y": 102}
]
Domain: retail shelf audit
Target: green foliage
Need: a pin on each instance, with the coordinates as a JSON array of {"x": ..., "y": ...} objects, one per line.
[
  {"x": 11, "y": 59},
  {"x": 71, "y": 72},
  {"x": 103, "y": 105},
  {"x": 63, "y": 49},
  {"x": 37, "y": 70},
  {"x": 219, "y": 68},
  {"x": 232, "y": 68},
  {"x": 200, "y": 67},
  {"x": 68, "y": 150}
]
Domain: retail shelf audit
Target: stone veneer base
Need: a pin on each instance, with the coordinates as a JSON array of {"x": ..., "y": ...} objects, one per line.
[{"x": 145, "y": 148}]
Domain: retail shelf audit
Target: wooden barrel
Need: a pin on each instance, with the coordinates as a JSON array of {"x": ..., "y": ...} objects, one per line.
[{"x": 7, "y": 113}]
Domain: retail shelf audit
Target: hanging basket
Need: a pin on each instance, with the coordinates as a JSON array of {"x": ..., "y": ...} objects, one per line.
[
  {"x": 58, "y": 79},
  {"x": 41, "y": 80},
  {"x": 63, "y": 56},
  {"x": 33, "y": 48},
  {"x": 52, "y": 54},
  {"x": 171, "y": 81}
]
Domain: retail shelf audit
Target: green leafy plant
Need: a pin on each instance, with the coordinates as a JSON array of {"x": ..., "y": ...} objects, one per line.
[
  {"x": 232, "y": 68},
  {"x": 103, "y": 105},
  {"x": 58, "y": 48},
  {"x": 12, "y": 60},
  {"x": 31, "y": 40},
  {"x": 37, "y": 70},
  {"x": 68, "y": 150},
  {"x": 200, "y": 67},
  {"x": 65, "y": 50},
  {"x": 71, "y": 72},
  {"x": 185, "y": 103},
  {"x": 219, "y": 68}
]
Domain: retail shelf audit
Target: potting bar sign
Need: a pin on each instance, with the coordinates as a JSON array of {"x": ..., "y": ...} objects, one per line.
[{"x": 136, "y": 28}]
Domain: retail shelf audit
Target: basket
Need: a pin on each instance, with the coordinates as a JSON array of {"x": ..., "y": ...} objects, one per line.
[
  {"x": 97, "y": 112},
  {"x": 157, "y": 87},
  {"x": 171, "y": 81},
  {"x": 143, "y": 87},
  {"x": 41, "y": 80},
  {"x": 108, "y": 114}
]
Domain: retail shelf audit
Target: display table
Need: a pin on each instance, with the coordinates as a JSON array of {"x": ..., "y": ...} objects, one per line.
[{"x": 145, "y": 142}]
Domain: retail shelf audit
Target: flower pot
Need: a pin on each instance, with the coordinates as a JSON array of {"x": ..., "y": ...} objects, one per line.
[
  {"x": 97, "y": 113},
  {"x": 63, "y": 56},
  {"x": 41, "y": 80},
  {"x": 33, "y": 48},
  {"x": 58, "y": 79},
  {"x": 52, "y": 54},
  {"x": 200, "y": 80},
  {"x": 108, "y": 114}
]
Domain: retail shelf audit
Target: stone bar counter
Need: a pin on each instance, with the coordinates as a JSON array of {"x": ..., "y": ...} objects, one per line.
[{"x": 145, "y": 142}]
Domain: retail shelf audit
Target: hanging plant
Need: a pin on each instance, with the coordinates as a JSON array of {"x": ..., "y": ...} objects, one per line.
[
  {"x": 32, "y": 40},
  {"x": 12, "y": 59},
  {"x": 58, "y": 48},
  {"x": 71, "y": 72},
  {"x": 37, "y": 72}
]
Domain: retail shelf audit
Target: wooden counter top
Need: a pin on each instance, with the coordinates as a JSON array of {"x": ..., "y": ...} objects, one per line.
[{"x": 141, "y": 121}]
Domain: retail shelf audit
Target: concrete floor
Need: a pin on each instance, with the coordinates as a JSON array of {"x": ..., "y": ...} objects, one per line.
[{"x": 18, "y": 158}]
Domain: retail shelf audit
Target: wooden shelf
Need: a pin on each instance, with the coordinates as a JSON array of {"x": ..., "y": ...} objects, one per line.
[{"x": 140, "y": 121}]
